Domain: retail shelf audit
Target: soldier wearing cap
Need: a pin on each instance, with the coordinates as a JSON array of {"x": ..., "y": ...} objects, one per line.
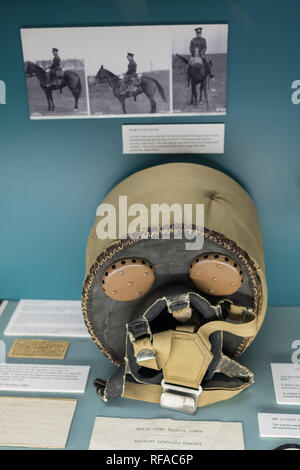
[
  {"x": 54, "y": 67},
  {"x": 132, "y": 65},
  {"x": 198, "y": 46},
  {"x": 130, "y": 74}
]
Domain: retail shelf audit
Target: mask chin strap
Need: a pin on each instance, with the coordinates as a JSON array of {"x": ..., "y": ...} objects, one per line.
[{"x": 179, "y": 359}]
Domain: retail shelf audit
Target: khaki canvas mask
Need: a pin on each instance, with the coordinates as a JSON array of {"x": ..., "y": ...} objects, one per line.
[{"x": 174, "y": 320}]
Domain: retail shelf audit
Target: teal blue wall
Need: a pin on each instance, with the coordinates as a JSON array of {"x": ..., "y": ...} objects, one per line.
[{"x": 54, "y": 173}]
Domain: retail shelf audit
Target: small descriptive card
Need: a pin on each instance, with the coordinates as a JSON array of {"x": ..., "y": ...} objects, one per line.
[
  {"x": 47, "y": 318},
  {"x": 279, "y": 425},
  {"x": 165, "y": 434},
  {"x": 173, "y": 138},
  {"x": 35, "y": 422},
  {"x": 3, "y": 305},
  {"x": 286, "y": 379},
  {"x": 39, "y": 349},
  {"x": 43, "y": 378}
]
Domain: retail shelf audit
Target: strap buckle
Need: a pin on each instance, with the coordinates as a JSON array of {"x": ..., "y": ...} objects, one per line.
[
  {"x": 179, "y": 398},
  {"x": 138, "y": 329},
  {"x": 145, "y": 355}
]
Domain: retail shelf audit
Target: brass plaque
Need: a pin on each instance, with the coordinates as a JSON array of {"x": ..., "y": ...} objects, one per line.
[{"x": 39, "y": 349}]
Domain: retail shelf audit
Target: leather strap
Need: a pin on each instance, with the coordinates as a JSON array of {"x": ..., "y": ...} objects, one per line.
[
  {"x": 152, "y": 393},
  {"x": 184, "y": 357},
  {"x": 238, "y": 329}
]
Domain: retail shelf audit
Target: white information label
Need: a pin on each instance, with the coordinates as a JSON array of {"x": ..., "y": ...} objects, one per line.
[
  {"x": 279, "y": 425},
  {"x": 35, "y": 422},
  {"x": 165, "y": 434},
  {"x": 47, "y": 318},
  {"x": 43, "y": 378},
  {"x": 2, "y": 352},
  {"x": 173, "y": 138},
  {"x": 3, "y": 305},
  {"x": 286, "y": 379}
]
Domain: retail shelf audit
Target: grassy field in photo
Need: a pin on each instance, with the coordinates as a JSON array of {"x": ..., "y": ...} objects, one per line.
[
  {"x": 103, "y": 101},
  {"x": 64, "y": 102},
  {"x": 216, "y": 89}
]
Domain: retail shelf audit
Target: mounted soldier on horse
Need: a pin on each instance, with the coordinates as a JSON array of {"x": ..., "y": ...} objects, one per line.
[
  {"x": 122, "y": 86},
  {"x": 198, "y": 47},
  {"x": 55, "y": 72},
  {"x": 199, "y": 68},
  {"x": 54, "y": 78},
  {"x": 130, "y": 80}
]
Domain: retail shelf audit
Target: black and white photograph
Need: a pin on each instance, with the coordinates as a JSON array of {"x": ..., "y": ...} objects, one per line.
[
  {"x": 112, "y": 71},
  {"x": 199, "y": 68},
  {"x": 54, "y": 70},
  {"x": 128, "y": 70}
]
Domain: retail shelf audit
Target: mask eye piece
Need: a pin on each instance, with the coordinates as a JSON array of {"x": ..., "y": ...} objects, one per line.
[
  {"x": 216, "y": 274},
  {"x": 128, "y": 279}
]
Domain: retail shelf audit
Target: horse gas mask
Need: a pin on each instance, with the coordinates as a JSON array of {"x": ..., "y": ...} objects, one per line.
[{"x": 174, "y": 319}]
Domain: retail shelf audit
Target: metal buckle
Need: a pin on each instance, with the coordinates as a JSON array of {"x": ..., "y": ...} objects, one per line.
[
  {"x": 145, "y": 355},
  {"x": 179, "y": 398}
]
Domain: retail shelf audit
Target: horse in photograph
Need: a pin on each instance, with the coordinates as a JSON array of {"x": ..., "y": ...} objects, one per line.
[
  {"x": 147, "y": 85},
  {"x": 197, "y": 73},
  {"x": 69, "y": 79}
]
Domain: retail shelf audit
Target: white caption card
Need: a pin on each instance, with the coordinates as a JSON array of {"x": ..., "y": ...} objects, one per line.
[
  {"x": 286, "y": 379},
  {"x": 43, "y": 378},
  {"x": 2, "y": 352},
  {"x": 47, "y": 318},
  {"x": 3, "y": 305},
  {"x": 173, "y": 138},
  {"x": 35, "y": 422},
  {"x": 279, "y": 425},
  {"x": 165, "y": 434}
]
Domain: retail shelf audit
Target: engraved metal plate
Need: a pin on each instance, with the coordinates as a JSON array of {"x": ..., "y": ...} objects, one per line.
[{"x": 180, "y": 398}]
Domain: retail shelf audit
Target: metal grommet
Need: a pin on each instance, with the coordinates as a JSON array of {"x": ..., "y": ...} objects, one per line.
[
  {"x": 216, "y": 274},
  {"x": 128, "y": 279}
]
